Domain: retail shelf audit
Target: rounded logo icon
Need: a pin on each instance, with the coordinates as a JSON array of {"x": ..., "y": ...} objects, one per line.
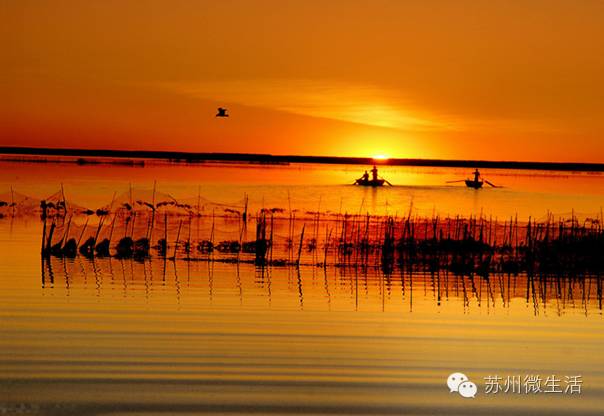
[
  {"x": 455, "y": 380},
  {"x": 467, "y": 389}
]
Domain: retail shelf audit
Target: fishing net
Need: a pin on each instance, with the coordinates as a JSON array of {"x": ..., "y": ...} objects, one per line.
[{"x": 18, "y": 204}]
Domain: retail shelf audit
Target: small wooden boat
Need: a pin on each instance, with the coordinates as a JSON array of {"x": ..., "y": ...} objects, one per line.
[
  {"x": 370, "y": 182},
  {"x": 375, "y": 180},
  {"x": 473, "y": 184}
]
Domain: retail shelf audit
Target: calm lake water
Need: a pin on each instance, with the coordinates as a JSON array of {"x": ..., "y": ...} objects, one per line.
[
  {"x": 124, "y": 337},
  {"x": 320, "y": 187}
]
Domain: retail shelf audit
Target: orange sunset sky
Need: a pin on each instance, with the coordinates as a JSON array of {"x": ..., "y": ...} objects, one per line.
[{"x": 499, "y": 80}]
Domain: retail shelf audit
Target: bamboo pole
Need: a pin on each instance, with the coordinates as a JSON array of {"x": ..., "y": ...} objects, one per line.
[
  {"x": 177, "y": 238},
  {"x": 300, "y": 246}
]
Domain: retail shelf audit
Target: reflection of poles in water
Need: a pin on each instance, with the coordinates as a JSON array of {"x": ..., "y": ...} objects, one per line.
[
  {"x": 466, "y": 299},
  {"x": 271, "y": 242},
  {"x": 528, "y": 290},
  {"x": 389, "y": 285},
  {"x": 97, "y": 277},
  {"x": 300, "y": 292},
  {"x": 51, "y": 274},
  {"x": 383, "y": 292},
  {"x": 561, "y": 292},
  {"x": 446, "y": 284},
  {"x": 239, "y": 287},
  {"x": 543, "y": 291},
  {"x": 410, "y": 290},
  {"x": 146, "y": 279},
  {"x": 83, "y": 269},
  {"x": 43, "y": 270},
  {"x": 263, "y": 276},
  {"x": 585, "y": 294},
  {"x": 531, "y": 294},
  {"x": 474, "y": 290},
  {"x": 559, "y": 289},
  {"x": 326, "y": 285},
  {"x": 269, "y": 284},
  {"x": 534, "y": 295},
  {"x": 356, "y": 288},
  {"x": 437, "y": 285},
  {"x": 490, "y": 294},
  {"x": 402, "y": 273},
  {"x": 211, "y": 281},
  {"x": 124, "y": 281},
  {"x": 501, "y": 288},
  {"x": 176, "y": 283},
  {"x": 67, "y": 277},
  {"x": 43, "y": 266},
  {"x": 350, "y": 279},
  {"x": 599, "y": 290}
]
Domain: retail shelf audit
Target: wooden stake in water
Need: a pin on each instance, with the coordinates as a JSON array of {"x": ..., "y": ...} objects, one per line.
[
  {"x": 98, "y": 230},
  {"x": 64, "y": 200},
  {"x": 189, "y": 238},
  {"x": 50, "y": 233},
  {"x": 150, "y": 233},
  {"x": 43, "y": 249},
  {"x": 12, "y": 200},
  {"x": 271, "y": 241},
  {"x": 165, "y": 234},
  {"x": 177, "y": 238},
  {"x": 133, "y": 221},
  {"x": 112, "y": 225},
  {"x": 300, "y": 247},
  {"x": 82, "y": 233},
  {"x": 327, "y": 239},
  {"x": 212, "y": 231},
  {"x": 198, "y": 200}
]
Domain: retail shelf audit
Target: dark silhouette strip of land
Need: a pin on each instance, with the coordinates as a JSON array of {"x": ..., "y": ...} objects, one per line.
[{"x": 191, "y": 157}]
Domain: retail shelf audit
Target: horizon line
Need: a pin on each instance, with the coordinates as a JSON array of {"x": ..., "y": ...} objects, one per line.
[{"x": 199, "y": 157}]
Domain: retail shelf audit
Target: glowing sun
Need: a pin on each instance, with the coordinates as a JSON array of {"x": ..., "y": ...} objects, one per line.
[{"x": 380, "y": 157}]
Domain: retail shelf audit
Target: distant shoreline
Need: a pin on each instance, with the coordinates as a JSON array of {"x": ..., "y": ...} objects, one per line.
[{"x": 192, "y": 157}]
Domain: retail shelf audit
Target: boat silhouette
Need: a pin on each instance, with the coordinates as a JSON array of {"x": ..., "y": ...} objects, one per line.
[
  {"x": 475, "y": 183},
  {"x": 374, "y": 181},
  {"x": 370, "y": 182}
]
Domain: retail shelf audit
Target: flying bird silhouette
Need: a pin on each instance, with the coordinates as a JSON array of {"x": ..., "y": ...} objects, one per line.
[{"x": 222, "y": 112}]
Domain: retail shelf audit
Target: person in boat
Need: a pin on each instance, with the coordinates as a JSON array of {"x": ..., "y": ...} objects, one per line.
[
  {"x": 364, "y": 178},
  {"x": 374, "y": 173},
  {"x": 476, "y": 175}
]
